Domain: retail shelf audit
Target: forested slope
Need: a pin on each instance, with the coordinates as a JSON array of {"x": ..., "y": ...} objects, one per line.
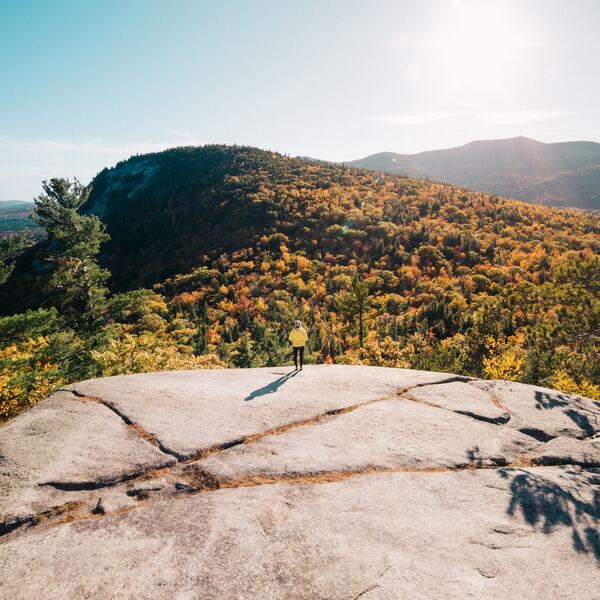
[
  {"x": 239, "y": 242},
  {"x": 255, "y": 238},
  {"x": 15, "y": 217}
]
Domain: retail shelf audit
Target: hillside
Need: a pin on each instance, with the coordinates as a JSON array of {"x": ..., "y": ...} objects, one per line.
[
  {"x": 14, "y": 204},
  {"x": 245, "y": 240},
  {"x": 14, "y": 217},
  {"x": 167, "y": 212},
  {"x": 334, "y": 482},
  {"x": 236, "y": 243},
  {"x": 559, "y": 174}
]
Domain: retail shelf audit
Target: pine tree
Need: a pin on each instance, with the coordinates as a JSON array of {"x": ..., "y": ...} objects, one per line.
[
  {"x": 356, "y": 303},
  {"x": 243, "y": 355},
  {"x": 77, "y": 284},
  {"x": 10, "y": 248},
  {"x": 202, "y": 321}
]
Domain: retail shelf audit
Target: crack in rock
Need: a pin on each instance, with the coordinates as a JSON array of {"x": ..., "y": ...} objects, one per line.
[
  {"x": 192, "y": 479},
  {"x": 63, "y": 513},
  {"x": 80, "y": 486},
  {"x": 198, "y": 481},
  {"x": 500, "y": 420},
  {"x": 204, "y": 481},
  {"x": 369, "y": 589},
  {"x": 140, "y": 431},
  {"x": 493, "y": 397},
  {"x": 205, "y": 452}
]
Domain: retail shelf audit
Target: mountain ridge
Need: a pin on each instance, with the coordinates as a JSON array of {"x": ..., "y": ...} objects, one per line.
[
  {"x": 202, "y": 201},
  {"x": 236, "y": 243},
  {"x": 564, "y": 174}
]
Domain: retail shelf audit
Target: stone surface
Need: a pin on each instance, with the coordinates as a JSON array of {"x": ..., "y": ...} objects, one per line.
[
  {"x": 545, "y": 413},
  {"x": 70, "y": 442},
  {"x": 196, "y": 410},
  {"x": 464, "y": 399},
  {"x": 150, "y": 485},
  {"x": 338, "y": 483},
  {"x": 393, "y": 434},
  {"x": 440, "y": 535},
  {"x": 565, "y": 450}
]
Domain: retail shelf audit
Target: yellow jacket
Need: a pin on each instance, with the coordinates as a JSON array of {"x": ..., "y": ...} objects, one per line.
[{"x": 298, "y": 337}]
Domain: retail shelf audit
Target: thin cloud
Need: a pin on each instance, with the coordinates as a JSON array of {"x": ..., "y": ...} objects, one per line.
[
  {"x": 524, "y": 116},
  {"x": 100, "y": 147},
  {"x": 411, "y": 119}
]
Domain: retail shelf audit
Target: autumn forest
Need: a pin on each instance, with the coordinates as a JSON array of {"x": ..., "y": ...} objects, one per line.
[{"x": 203, "y": 257}]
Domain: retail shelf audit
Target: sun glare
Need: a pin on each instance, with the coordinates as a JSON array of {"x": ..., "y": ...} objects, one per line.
[{"x": 479, "y": 43}]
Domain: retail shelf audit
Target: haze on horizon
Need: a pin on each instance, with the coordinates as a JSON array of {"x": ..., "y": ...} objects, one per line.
[{"x": 88, "y": 84}]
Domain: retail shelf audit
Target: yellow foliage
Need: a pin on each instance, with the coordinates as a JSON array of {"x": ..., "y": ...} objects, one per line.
[
  {"x": 302, "y": 262},
  {"x": 227, "y": 306},
  {"x": 213, "y": 336},
  {"x": 24, "y": 380},
  {"x": 563, "y": 382},
  {"x": 505, "y": 361},
  {"x": 386, "y": 353},
  {"x": 144, "y": 353},
  {"x": 261, "y": 306},
  {"x": 190, "y": 297}
]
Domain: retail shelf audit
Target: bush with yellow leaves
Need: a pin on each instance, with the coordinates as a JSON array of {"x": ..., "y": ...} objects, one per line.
[
  {"x": 562, "y": 381},
  {"x": 384, "y": 353},
  {"x": 131, "y": 353},
  {"x": 26, "y": 376},
  {"x": 505, "y": 359}
]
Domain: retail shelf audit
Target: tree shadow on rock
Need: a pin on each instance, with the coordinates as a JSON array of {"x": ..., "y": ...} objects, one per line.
[
  {"x": 477, "y": 458},
  {"x": 545, "y": 400},
  {"x": 580, "y": 415},
  {"x": 581, "y": 420},
  {"x": 547, "y": 505}
]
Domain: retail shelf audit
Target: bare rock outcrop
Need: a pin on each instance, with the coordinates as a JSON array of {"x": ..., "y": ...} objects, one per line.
[{"x": 337, "y": 482}]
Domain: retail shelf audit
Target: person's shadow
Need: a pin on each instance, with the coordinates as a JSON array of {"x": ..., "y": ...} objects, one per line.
[{"x": 272, "y": 387}]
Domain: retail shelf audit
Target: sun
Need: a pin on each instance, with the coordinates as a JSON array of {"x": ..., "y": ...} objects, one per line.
[{"x": 480, "y": 42}]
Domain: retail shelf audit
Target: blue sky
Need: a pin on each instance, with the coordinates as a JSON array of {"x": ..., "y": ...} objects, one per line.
[{"x": 86, "y": 84}]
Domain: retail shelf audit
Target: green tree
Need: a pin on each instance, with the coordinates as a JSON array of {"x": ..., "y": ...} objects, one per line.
[
  {"x": 77, "y": 284},
  {"x": 244, "y": 356},
  {"x": 201, "y": 321},
  {"x": 356, "y": 303},
  {"x": 10, "y": 248}
]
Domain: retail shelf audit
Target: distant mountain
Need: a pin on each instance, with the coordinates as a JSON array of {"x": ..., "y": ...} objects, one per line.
[
  {"x": 15, "y": 216},
  {"x": 11, "y": 204},
  {"x": 560, "y": 174}
]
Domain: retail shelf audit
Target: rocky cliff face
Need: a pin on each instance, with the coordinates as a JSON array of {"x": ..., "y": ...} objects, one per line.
[{"x": 336, "y": 482}]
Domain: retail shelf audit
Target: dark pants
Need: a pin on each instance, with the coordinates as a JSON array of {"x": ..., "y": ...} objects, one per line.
[{"x": 299, "y": 351}]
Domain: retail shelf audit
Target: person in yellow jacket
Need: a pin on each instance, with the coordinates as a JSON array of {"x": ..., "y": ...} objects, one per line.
[{"x": 298, "y": 338}]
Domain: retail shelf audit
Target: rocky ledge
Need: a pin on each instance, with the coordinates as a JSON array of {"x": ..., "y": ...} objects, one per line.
[{"x": 337, "y": 482}]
